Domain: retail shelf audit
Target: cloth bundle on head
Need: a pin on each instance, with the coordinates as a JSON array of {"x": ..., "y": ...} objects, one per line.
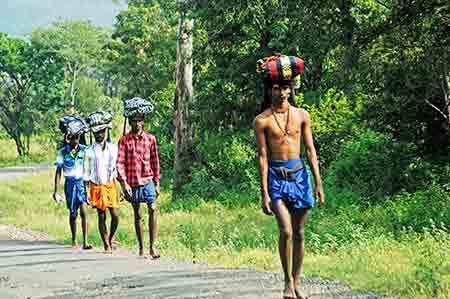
[
  {"x": 99, "y": 120},
  {"x": 135, "y": 106},
  {"x": 72, "y": 125},
  {"x": 281, "y": 68}
]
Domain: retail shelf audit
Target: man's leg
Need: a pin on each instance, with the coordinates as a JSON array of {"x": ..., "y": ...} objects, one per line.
[
  {"x": 299, "y": 217},
  {"x": 285, "y": 246},
  {"x": 152, "y": 229},
  {"x": 103, "y": 230},
  {"x": 114, "y": 223},
  {"x": 138, "y": 227},
  {"x": 73, "y": 228},
  {"x": 84, "y": 225}
]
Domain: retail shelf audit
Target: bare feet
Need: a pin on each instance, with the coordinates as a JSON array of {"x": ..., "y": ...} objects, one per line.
[
  {"x": 74, "y": 245},
  {"x": 87, "y": 247},
  {"x": 108, "y": 250},
  {"x": 289, "y": 291},
  {"x": 300, "y": 294},
  {"x": 114, "y": 244},
  {"x": 153, "y": 255},
  {"x": 141, "y": 252}
]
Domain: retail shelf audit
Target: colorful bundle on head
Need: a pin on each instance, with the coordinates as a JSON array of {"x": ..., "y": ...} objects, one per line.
[
  {"x": 137, "y": 106},
  {"x": 99, "y": 120},
  {"x": 281, "y": 68},
  {"x": 73, "y": 125}
]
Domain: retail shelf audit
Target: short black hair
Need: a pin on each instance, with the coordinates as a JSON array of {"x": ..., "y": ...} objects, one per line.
[{"x": 267, "y": 102}]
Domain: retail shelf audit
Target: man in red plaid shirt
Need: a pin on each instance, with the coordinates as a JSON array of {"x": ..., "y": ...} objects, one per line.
[{"x": 138, "y": 170}]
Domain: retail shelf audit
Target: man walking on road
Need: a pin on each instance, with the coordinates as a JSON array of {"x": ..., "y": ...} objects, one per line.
[
  {"x": 99, "y": 175},
  {"x": 70, "y": 161},
  {"x": 285, "y": 187},
  {"x": 138, "y": 170}
]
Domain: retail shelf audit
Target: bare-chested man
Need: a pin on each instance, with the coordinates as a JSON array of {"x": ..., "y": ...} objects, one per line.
[{"x": 285, "y": 187}]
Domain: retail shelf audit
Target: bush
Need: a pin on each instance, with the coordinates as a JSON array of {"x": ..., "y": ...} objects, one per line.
[
  {"x": 224, "y": 162},
  {"x": 420, "y": 210},
  {"x": 332, "y": 120},
  {"x": 376, "y": 165}
]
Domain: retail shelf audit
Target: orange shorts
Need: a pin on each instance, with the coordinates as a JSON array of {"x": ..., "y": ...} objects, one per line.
[{"x": 103, "y": 196}]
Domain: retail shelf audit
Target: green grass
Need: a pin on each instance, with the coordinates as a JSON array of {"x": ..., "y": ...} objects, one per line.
[
  {"x": 40, "y": 151},
  {"x": 412, "y": 265}
]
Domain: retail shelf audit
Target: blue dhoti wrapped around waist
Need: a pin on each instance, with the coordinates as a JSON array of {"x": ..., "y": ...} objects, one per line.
[
  {"x": 75, "y": 194},
  {"x": 288, "y": 180}
]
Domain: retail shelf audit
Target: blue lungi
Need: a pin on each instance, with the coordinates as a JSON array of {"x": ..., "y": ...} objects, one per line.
[
  {"x": 288, "y": 180},
  {"x": 75, "y": 194}
]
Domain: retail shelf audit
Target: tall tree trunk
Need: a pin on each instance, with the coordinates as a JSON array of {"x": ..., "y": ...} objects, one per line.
[
  {"x": 183, "y": 97},
  {"x": 72, "y": 90},
  {"x": 21, "y": 150}
]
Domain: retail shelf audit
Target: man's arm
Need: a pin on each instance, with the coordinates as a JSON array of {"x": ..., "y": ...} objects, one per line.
[
  {"x": 57, "y": 181},
  {"x": 312, "y": 156},
  {"x": 87, "y": 172},
  {"x": 121, "y": 171},
  {"x": 154, "y": 163},
  {"x": 262, "y": 164}
]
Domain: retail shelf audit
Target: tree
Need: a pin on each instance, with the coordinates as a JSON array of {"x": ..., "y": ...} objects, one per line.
[
  {"x": 143, "y": 48},
  {"x": 183, "y": 99},
  {"x": 79, "y": 43},
  {"x": 31, "y": 81}
]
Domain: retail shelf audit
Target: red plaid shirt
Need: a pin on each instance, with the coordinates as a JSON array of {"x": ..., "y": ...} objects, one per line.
[{"x": 137, "y": 161}]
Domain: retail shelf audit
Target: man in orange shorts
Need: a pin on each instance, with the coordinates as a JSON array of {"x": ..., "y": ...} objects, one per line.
[{"x": 100, "y": 173}]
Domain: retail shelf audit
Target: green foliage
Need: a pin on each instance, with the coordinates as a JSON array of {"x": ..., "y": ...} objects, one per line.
[
  {"x": 91, "y": 97},
  {"x": 333, "y": 119},
  {"x": 31, "y": 78},
  {"x": 80, "y": 45},
  {"x": 375, "y": 165},
  {"x": 143, "y": 49},
  {"x": 224, "y": 162},
  {"x": 410, "y": 74}
]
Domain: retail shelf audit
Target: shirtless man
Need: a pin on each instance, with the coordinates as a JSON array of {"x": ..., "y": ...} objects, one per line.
[{"x": 285, "y": 187}]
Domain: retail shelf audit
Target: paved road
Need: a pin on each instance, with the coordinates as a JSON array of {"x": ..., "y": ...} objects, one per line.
[
  {"x": 31, "y": 266},
  {"x": 12, "y": 173}
]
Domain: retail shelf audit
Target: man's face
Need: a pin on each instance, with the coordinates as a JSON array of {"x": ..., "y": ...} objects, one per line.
[
  {"x": 73, "y": 140},
  {"x": 137, "y": 123},
  {"x": 100, "y": 135},
  {"x": 280, "y": 92}
]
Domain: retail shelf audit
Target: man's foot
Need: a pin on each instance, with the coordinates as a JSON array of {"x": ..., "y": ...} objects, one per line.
[
  {"x": 289, "y": 292},
  {"x": 74, "y": 245},
  {"x": 108, "y": 250},
  {"x": 153, "y": 255},
  {"x": 300, "y": 294},
  {"x": 141, "y": 252},
  {"x": 114, "y": 244},
  {"x": 87, "y": 247}
]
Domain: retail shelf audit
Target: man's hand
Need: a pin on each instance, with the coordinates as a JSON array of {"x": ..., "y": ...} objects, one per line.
[
  {"x": 320, "y": 195},
  {"x": 266, "y": 205},
  {"x": 157, "y": 189},
  {"x": 56, "y": 197},
  {"x": 127, "y": 192},
  {"x": 88, "y": 198}
]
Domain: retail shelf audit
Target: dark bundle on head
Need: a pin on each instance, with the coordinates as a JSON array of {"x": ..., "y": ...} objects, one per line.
[{"x": 71, "y": 125}]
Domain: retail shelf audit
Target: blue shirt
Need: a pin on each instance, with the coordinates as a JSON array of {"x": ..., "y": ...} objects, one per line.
[{"x": 72, "y": 164}]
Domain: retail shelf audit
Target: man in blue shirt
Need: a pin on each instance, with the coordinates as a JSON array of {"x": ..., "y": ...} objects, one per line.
[{"x": 69, "y": 162}]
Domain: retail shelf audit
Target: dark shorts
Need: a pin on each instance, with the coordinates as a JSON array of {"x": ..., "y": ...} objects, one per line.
[
  {"x": 144, "y": 194},
  {"x": 75, "y": 194},
  {"x": 288, "y": 180}
]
